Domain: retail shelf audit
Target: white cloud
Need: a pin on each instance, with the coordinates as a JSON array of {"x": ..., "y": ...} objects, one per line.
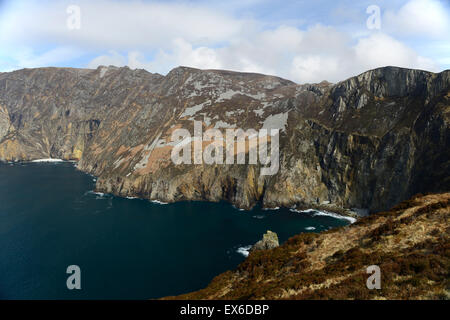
[
  {"x": 320, "y": 53},
  {"x": 201, "y": 57},
  {"x": 118, "y": 24},
  {"x": 160, "y": 36},
  {"x": 340, "y": 61},
  {"x": 111, "y": 59},
  {"x": 315, "y": 68},
  {"x": 419, "y": 18},
  {"x": 182, "y": 53},
  {"x": 380, "y": 50}
]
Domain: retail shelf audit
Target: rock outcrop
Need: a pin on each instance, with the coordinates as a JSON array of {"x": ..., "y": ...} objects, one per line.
[
  {"x": 365, "y": 143},
  {"x": 269, "y": 241}
]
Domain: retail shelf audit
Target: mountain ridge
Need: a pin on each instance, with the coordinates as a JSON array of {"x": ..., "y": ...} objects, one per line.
[{"x": 366, "y": 142}]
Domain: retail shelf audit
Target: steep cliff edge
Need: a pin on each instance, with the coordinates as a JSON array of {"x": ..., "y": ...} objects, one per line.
[
  {"x": 410, "y": 244},
  {"x": 367, "y": 142}
]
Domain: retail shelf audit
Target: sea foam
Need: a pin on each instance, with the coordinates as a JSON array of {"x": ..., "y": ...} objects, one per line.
[
  {"x": 48, "y": 160},
  {"x": 158, "y": 202},
  {"x": 245, "y": 250},
  {"x": 325, "y": 213}
]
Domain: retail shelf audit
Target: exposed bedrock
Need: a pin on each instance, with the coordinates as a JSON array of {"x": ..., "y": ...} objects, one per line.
[{"x": 367, "y": 142}]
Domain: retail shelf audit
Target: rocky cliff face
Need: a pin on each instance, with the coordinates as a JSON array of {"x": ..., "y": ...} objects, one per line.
[{"x": 366, "y": 142}]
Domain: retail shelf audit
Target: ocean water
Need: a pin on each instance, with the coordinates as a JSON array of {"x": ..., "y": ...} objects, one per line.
[{"x": 125, "y": 248}]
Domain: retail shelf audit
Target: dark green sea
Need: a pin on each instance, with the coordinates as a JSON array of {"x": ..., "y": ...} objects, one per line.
[{"x": 126, "y": 248}]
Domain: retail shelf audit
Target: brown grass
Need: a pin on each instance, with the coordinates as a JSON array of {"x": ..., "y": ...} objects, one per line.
[{"x": 410, "y": 243}]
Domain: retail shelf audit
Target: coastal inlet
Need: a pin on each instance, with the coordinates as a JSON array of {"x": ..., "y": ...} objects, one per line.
[{"x": 126, "y": 248}]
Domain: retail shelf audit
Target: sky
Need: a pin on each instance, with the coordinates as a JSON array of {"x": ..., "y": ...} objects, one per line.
[{"x": 304, "y": 41}]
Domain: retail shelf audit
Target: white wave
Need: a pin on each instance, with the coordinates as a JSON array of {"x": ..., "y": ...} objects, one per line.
[
  {"x": 100, "y": 195},
  {"x": 131, "y": 198},
  {"x": 158, "y": 202},
  {"x": 48, "y": 160},
  {"x": 258, "y": 216},
  {"x": 335, "y": 215},
  {"x": 325, "y": 213},
  {"x": 276, "y": 208},
  {"x": 310, "y": 228},
  {"x": 244, "y": 250},
  {"x": 302, "y": 211}
]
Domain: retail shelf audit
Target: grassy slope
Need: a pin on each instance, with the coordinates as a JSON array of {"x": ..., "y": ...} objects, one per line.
[{"x": 410, "y": 243}]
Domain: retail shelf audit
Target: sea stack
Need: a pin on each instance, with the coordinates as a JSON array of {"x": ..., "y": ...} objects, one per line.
[{"x": 269, "y": 241}]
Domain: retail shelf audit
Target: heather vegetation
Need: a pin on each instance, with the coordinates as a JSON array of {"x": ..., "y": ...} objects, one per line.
[{"x": 410, "y": 243}]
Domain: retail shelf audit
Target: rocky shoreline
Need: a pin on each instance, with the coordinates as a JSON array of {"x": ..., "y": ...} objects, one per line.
[
  {"x": 325, "y": 208},
  {"x": 358, "y": 146}
]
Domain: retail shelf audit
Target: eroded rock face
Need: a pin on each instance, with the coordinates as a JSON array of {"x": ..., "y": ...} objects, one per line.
[
  {"x": 367, "y": 142},
  {"x": 4, "y": 122},
  {"x": 269, "y": 241}
]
